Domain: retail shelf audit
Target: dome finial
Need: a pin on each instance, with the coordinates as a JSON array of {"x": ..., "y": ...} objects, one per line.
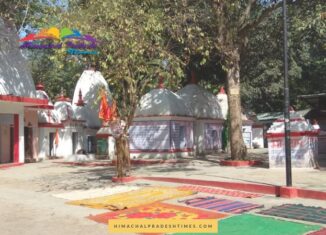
[
  {"x": 39, "y": 87},
  {"x": 80, "y": 101},
  {"x": 62, "y": 96},
  {"x": 222, "y": 91},
  {"x": 160, "y": 82}
]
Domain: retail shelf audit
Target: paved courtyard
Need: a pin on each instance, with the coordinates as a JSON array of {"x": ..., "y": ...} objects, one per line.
[{"x": 34, "y": 197}]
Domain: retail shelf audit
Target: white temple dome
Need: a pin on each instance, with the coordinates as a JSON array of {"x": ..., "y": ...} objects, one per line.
[
  {"x": 15, "y": 77},
  {"x": 202, "y": 103},
  {"x": 159, "y": 102},
  {"x": 46, "y": 116},
  {"x": 64, "y": 109},
  {"x": 88, "y": 85},
  {"x": 298, "y": 124}
]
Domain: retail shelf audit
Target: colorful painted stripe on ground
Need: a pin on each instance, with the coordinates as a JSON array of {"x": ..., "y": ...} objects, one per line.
[
  {"x": 220, "y": 191},
  {"x": 133, "y": 198},
  {"x": 221, "y": 205},
  {"x": 319, "y": 232},
  {"x": 157, "y": 210},
  {"x": 298, "y": 212},
  {"x": 248, "y": 224}
]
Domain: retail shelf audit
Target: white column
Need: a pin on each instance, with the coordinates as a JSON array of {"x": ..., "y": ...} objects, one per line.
[{"x": 21, "y": 138}]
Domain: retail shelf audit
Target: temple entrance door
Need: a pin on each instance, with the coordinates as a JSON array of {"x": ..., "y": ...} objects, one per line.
[
  {"x": 74, "y": 142},
  {"x": 28, "y": 133},
  {"x": 51, "y": 141}
]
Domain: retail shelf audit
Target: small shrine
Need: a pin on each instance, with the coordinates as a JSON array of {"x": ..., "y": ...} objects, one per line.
[{"x": 303, "y": 142}]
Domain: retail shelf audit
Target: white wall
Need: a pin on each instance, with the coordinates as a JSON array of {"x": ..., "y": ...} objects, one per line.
[
  {"x": 16, "y": 108},
  {"x": 258, "y": 137},
  {"x": 5, "y": 143}
]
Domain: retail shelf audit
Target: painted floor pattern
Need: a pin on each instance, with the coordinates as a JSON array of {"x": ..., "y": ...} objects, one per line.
[
  {"x": 298, "y": 212},
  {"x": 220, "y": 204},
  {"x": 231, "y": 193},
  {"x": 157, "y": 210},
  {"x": 248, "y": 224}
]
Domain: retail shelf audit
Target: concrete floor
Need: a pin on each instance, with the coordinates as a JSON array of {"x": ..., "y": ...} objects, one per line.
[{"x": 28, "y": 207}]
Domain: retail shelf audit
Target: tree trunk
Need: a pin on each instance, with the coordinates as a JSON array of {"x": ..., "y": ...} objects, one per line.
[
  {"x": 238, "y": 147},
  {"x": 123, "y": 156}
]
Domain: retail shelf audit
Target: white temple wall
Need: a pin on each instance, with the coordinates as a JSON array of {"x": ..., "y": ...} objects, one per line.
[
  {"x": 21, "y": 137},
  {"x": 44, "y": 142},
  {"x": 208, "y": 136},
  {"x": 199, "y": 137},
  {"x": 258, "y": 137},
  {"x": 70, "y": 141},
  {"x": 247, "y": 135},
  {"x": 161, "y": 138},
  {"x": 87, "y": 133},
  {"x": 15, "y": 108},
  {"x": 111, "y": 147},
  {"x": 6, "y": 120},
  {"x": 31, "y": 120},
  {"x": 4, "y": 143},
  {"x": 64, "y": 148}
]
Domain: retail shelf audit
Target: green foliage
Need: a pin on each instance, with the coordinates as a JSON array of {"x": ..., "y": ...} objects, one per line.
[
  {"x": 262, "y": 59},
  {"x": 132, "y": 49}
]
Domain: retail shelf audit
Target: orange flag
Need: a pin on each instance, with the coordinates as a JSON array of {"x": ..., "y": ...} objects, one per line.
[
  {"x": 105, "y": 111},
  {"x": 56, "y": 140}
]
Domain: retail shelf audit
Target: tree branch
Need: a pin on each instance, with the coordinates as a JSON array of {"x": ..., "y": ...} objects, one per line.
[
  {"x": 247, "y": 12},
  {"x": 264, "y": 15}
]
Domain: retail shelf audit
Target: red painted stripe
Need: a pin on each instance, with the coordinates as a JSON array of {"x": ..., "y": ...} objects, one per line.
[
  {"x": 306, "y": 193},
  {"x": 47, "y": 106},
  {"x": 51, "y": 125},
  {"x": 257, "y": 188},
  {"x": 170, "y": 116},
  {"x": 16, "y": 138},
  {"x": 293, "y": 134},
  {"x": 21, "y": 99},
  {"x": 8, "y": 165},
  {"x": 103, "y": 135},
  {"x": 292, "y": 120},
  {"x": 160, "y": 150}
]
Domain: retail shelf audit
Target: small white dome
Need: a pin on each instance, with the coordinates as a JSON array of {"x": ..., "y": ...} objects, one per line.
[
  {"x": 64, "y": 110},
  {"x": 298, "y": 124},
  {"x": 160, "y": 102},
  {"x": 202, "y": 103},
  {"x": 48, "y": 116},
  {"x": 15, "y": 76},
  {"x": 42, "y": 95},
  {"x": 89, "y": 84}
]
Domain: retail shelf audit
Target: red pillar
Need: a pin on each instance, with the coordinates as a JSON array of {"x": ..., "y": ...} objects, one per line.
[{"x": 16, "y": 137}]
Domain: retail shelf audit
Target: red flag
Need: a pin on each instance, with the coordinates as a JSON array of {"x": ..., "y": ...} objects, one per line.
[
  {"x": 105, "y": 111},
  {"x": 56, "y": 140}
]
